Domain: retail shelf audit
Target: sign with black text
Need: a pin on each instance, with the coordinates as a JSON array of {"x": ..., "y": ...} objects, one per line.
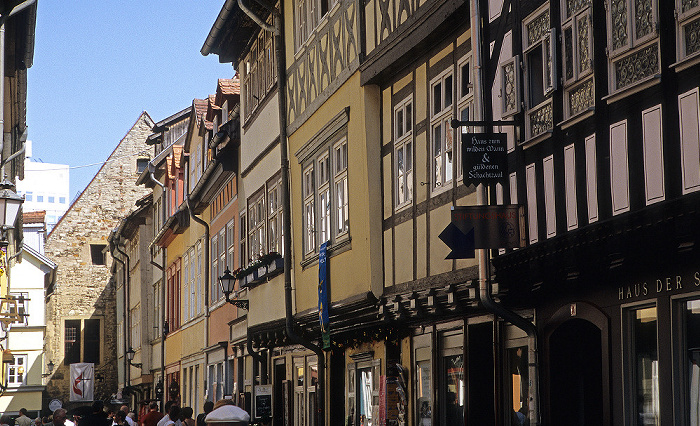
[
  {"x": 263, "y": 401},
  {"x": 484, "y": 157}
]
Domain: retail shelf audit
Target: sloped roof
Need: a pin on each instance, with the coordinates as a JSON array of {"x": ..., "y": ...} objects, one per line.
[{"x": 34, "y": 217}]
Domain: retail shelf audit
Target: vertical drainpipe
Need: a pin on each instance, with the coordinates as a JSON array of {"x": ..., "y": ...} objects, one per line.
[
  {"x": 277, "y": 30},
  {"x": 112, "y": 247},
  {"x": 482, "y": 199},
  {"x": 151, "y": 169},
  {"x": 127, "y": 329}
]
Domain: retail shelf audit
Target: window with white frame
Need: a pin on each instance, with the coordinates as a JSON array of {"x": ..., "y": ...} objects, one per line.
[
  {"x": 538, "y": 63},
  {"x": 198, "y": 278},
  {"x": 442, "y": 134},
  {"x": 157, "y": 311},
  {"x": 309, "y": 207},
  {"x": 340, "y": 179},
  {"x": 325, "y": 187},
  {"x": 274, "y": 217},
  {"x": 577, "y": 49},
  {"x": 16, "y": 371},
  {"x": 632, "y": 26},
  {"x": 688, "y": 12},
  {"x": 403, "y": 151},
  {"x": 231, "y": 244},
  {"x": 243, "y": 241},
  {"x": 260, "y": 73},
  {"x": 464, "y": 104},
  {"x": 186, "y": 284},
  {"x": 307, "y": 15},
  {"x": 256, "y": 226},
  {"x": 135, "y": 326},
  {"x": 214, "y": 288}
]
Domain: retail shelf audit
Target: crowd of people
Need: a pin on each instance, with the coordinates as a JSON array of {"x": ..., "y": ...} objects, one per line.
[{"x": 101, "y": 415}]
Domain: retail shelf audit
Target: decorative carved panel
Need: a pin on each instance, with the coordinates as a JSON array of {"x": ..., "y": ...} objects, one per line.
[
  {"x": 540, "y": 120},
  {"x": 637, "y": 66},
  {"x": 692, "y": 37},
  {"x": 618, "y": 10},
  {"x": 537, "y": 28},
  {"x": 581, "y": 98}
]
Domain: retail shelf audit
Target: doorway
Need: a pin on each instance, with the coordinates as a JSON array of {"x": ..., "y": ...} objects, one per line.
[{"x": 576, "y": 374}]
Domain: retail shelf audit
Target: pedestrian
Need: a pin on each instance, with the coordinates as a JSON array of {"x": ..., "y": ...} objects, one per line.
[
  {"x": 187, "y": 413},
  {"x": 119, "y": 419},
  {"x": 59, "y": 417},
  {"x": 174, "y": 416},
  {"x": 227, "y": 414},
  {"x": 38, "y": 421},
  {"x": 166, "y": 412},
  {"x": 153, "y": 416},
  {"x": 98, "y": 417},
  {"x": 129, "y": 420},
  {"x": 4, "y": 420},
  {"x": 208, "y": 407},
  {"x": 23, "y": 420}
]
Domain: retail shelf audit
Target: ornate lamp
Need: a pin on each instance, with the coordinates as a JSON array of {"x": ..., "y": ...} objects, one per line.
[
  {"x": 227, "y": 281},
  {"x": 130, "y": 357}
]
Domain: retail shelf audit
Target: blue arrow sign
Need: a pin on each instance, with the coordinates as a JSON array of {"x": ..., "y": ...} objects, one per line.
[{"x": 461, "y": 244}]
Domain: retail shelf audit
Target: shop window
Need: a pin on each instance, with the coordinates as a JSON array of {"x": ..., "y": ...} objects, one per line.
[
  {"x": 516, "y": 376},
  {"x": 642, "y": 366},
  {"x": 423, "y": 371},
  {"x": 363, "y": 390},
  {"x": 451, "y": 382},
  {"x": 689, "y": 360},
  {"x": 305, "y": 384}
]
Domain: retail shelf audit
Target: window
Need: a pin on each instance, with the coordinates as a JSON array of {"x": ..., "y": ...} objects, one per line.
[
  {"x": 442, "y": 134},
  {"x": 157, "y": 311},
  {"x": 242, "y": 251},
  {"x": 199, "y": 297},
  {"x": 173, "y": 275},
  {"x": 577, "y": 48},
  {"x": 82, "y": 341},
  {"x": 688, "y": 26},
  {"x": 215, "y": 288},
  {"x": 62, "y": 200},
  {"x": 28, "y": 196},
  {"x": 464, "y": 105},
  {"x": 39, "y": 198},
  {"x": 451, "y": 378},
  {"x": 403, "y": 152},
  {"x": 362, "y": 395},
  {"x": 135, "y": 317},
  {"x": 517, "y": 376},
  {"x": 689, "y": 360},
  {"x": 307, "y": 14},
  {"x": 642, "y": 366},
  {"x": 340, "y": 169},
  {"x": 257, "y": 219},
  {"x": 309, "y": 207},
  {"x": 631, "y": 24},
  {"x": 260, "y": 73},
  {"x": 17, "y": 371},
  {"x": 52, "y": 199},
  {"x": 540, "y": 80},
  {"x": 274, "y": 219},
  {"x": 619, "y": 175},
  {"x": 97, "y": 254}
]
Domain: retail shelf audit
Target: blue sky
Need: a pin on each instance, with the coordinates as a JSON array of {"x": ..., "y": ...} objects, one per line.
[{"x": 98, "y": 65}]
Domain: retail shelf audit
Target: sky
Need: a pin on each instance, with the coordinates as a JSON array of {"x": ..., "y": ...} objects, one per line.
[{"x": 98, "y": 65}]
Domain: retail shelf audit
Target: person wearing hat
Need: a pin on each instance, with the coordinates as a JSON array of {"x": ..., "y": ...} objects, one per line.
[{"x": 228, "y": 415}]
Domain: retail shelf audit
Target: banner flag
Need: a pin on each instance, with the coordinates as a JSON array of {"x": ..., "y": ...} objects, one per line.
[
  {"x": 323, "y": 295},
  {"x": 82, "y": 383}
]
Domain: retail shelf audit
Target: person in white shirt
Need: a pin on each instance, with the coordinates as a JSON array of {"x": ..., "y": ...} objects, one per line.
[
  {"x": 166, "y": 417},
  {"x": 128, "y": 419}
]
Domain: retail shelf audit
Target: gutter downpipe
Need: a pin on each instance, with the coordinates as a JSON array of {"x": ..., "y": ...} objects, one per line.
[
  {"x": 484, "y": 260},
  {"x": 127, "y": 343},
  {"x": 151, "y": 169},
  {"x": 280, "y": 59},
  {"x": 112, "y": 247}
]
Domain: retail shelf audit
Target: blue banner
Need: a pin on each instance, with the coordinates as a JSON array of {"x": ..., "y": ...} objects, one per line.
[{"x": 323, "y": 294}]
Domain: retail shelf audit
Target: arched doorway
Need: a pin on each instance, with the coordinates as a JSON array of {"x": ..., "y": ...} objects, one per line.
[{"x": 575, "y": 374}]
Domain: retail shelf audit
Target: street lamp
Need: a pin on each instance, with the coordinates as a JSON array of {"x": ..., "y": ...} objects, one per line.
[
  {"x": 49, "y": 369},
  {"x": 130, "y": 357},
  {"x": 227, "y": 281},
  {"x": 9, "y": 204}
]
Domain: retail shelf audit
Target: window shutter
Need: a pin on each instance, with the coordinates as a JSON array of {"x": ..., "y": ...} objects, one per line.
[
  {"x": 510, "y": 86},
  {"x": 653, "y": 155},
  {"x": 591, "y": 179},
  {"x": 689, "y": 111},
  {"x": 570, "y": 185},
  {"x": 619, "y": 173},
  {"x": 549, "y": 201},
  {"x": 531, "y": 202}
]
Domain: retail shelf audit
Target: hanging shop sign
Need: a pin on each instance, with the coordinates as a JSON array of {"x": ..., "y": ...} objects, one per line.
[{"x": 484, "y": 157}]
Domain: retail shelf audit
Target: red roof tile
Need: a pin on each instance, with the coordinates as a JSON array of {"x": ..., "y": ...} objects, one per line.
[{"x": 34, "y": 217}]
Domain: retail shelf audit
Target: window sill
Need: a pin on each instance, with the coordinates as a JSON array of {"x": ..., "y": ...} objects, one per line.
[
  {"x": 335, "y": 249},
  {"x": 577, "y": 118},
  {"x": 403, "y": 206},
  {"x": 537, "y": 139},
  {"x": 435, "y": 191},
  {"x": 632, "y": 89},
  {"x": 686, "y": 62}
]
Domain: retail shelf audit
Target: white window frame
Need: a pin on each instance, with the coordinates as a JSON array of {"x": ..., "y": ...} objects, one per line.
[
  {"x": 19, "y": 363},
  {"x": 442, "y": 164},
  {"x": 515, "y": 63},
  {"x": 339, "y": 162},
  {"x": 632, "y": 40},
  {"x": 185, "y": 303},
  {"x": 135, "y": 326},
  {"x": 275, "y": 233},
  {"x": 403, "y": 148},
  {"x": 574, "y": 22},
  {"x": 323, "y": 183},
  {"x": 260, "y": 75},
  {"x": 464, "y": 104},
  {"x": 549, "y": 68},
  {"x": 257, "y": 224},
  {"x": 309, "y": 211},
  {"x": 683, "y": 19},
  {"x": 199, "y": 281}
]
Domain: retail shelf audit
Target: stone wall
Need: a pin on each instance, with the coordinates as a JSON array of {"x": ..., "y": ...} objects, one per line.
[{"x": 82, "y": 289}]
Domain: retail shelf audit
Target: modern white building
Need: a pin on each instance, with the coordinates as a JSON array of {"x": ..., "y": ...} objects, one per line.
[
  {"x": 45, "y": 187},
  {"x": 25, "y": 341}
]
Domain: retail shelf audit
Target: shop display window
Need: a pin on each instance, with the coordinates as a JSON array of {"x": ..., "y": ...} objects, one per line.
[
  {"x": 642, "y": 366},
  {"x": 691, "y": 322}
]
